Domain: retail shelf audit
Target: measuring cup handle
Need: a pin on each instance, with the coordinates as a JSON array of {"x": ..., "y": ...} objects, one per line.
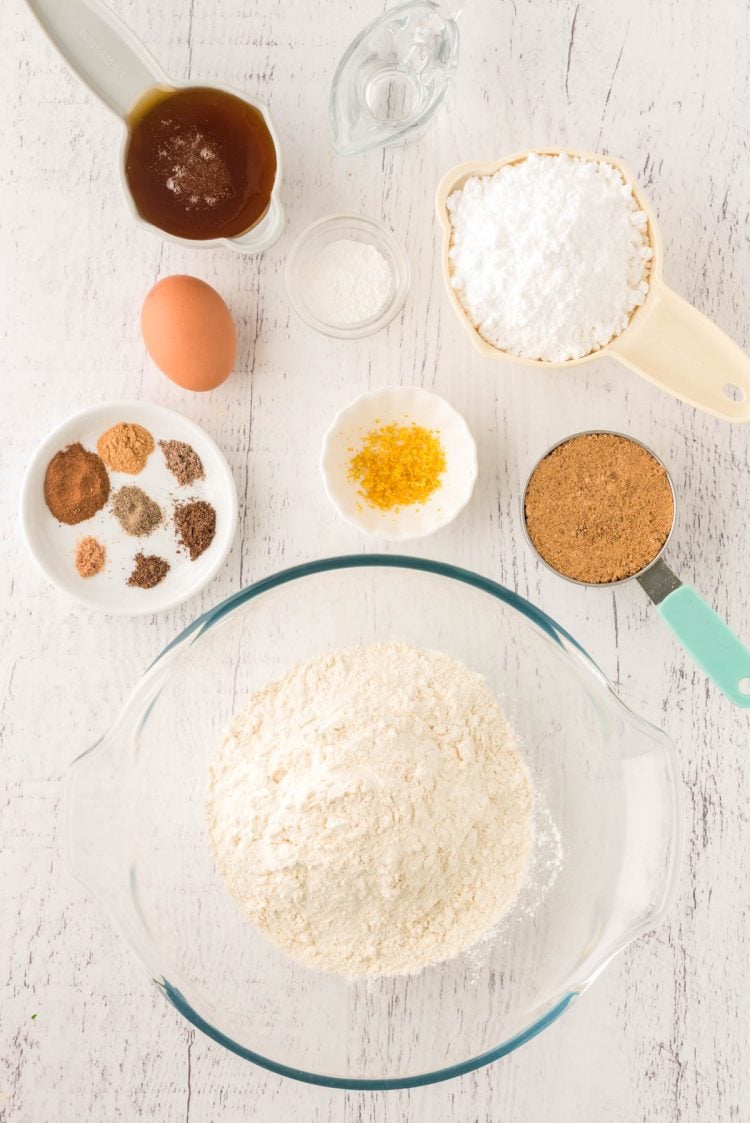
[
  {"x": 678, "y": 348},
  {"x": 101, "y": 50},
  {"x": 706, "y": 637}
]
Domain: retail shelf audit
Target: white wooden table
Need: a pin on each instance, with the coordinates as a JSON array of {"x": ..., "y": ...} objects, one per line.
[{"x": 663, "y": 1035}]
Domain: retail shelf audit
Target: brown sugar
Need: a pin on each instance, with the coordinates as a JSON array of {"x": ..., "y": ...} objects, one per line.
[{"x": 599, "y": 508}]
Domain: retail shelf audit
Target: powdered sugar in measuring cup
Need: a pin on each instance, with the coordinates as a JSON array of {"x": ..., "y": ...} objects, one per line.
[{"x": 550, "y": 256}]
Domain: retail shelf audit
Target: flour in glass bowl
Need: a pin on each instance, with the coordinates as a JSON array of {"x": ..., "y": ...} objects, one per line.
[
  {"x": 549, "y": 257},
  {"x": 369, "y": 812}
]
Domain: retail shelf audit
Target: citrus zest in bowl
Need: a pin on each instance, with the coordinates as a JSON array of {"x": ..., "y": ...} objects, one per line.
[{"x": 398, "y": 465}]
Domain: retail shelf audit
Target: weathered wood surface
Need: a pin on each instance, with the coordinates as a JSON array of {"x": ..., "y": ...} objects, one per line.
[{"x": 663, "y": 1035}]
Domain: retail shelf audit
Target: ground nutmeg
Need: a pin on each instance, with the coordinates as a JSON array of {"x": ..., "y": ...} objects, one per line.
[
  {"x": 195, "y": 523},
  {"x": 76, "y": 484}
]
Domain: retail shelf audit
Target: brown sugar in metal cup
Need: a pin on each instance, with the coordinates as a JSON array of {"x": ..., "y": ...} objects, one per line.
[
  {"x": 604, "y": 516},
  {"x": 599, "y": 508}
]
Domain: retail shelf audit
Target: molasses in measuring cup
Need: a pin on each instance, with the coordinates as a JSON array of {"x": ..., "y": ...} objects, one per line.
[{"x": 199, "y": 164}]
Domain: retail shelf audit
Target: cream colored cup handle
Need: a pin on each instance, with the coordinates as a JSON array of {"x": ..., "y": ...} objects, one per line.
[
  {"x": 102, "y": 51},
  {"x": 678, "y": 348}
]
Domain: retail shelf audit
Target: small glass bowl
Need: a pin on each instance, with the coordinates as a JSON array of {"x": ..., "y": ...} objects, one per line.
[{"x": 331, "y": 229}]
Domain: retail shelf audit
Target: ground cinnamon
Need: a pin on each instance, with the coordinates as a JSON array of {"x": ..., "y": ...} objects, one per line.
[
  {"x": 76, "y": 484},
  {"x": 599, "y": 508}
]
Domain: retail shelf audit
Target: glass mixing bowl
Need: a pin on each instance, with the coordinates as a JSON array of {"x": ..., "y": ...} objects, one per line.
[{"x": 602, "y": 871}]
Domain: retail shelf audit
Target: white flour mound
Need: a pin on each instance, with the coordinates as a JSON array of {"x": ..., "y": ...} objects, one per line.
[
  {"x": 369, "y": 811},
  {"x": 550, "y": 257}
]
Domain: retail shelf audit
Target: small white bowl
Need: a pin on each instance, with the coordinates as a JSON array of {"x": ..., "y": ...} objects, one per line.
[
  {"x": 403, "y": 405},
  {"x": 322, "y": 233},
  {"x": 52, "y": 544}
]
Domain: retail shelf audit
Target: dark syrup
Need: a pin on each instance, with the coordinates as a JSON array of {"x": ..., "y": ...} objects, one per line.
[{"x": 200, "y": 163}]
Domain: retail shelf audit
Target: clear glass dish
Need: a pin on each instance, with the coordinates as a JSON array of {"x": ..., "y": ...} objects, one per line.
[
  {"x": 394, "y": 76},
  {"x": 358, "y": 229},
  {"x": 607, "y": 794}
]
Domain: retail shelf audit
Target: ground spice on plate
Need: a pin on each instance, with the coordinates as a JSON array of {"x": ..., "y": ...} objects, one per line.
[
  {"x": 195, "y": 523},
  {"x": 90, "y": 557},
  {"x": 126, "y": 447},
  {"x": 398, "y": 465},
  {"x": 183, "y": 462},
  {"x": 599, "y": 508},
  {"x": 149, "y": 571},
  {"x": 76, "y": 484},
  {"x": 135, "y": 511}
]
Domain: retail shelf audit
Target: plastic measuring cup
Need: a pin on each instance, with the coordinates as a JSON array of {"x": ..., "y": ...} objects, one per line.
[
  {"x": 701, "y": 632},
  {"x": 666, "y": 341},
  {"x": 114, "y": 64}
]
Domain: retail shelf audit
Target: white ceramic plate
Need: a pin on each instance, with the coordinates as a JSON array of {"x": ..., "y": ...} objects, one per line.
[
  {"x": 52, "y": 544},
  {"x": 382, "y": 407}
]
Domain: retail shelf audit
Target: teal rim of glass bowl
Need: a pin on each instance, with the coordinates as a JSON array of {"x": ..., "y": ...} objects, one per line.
[{"x": 421, "y": 565}]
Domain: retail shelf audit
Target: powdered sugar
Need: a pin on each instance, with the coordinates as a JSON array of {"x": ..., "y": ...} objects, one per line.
[
  {"x": 347, "y": 282},
  {"x": 369, "y": 812},
  {"x": 549, "y": 257}
]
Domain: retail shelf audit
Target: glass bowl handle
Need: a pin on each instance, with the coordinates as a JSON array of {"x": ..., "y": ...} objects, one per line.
[
  {"x": 652, "y": 844},
  {"x": 94, "y": 820}
]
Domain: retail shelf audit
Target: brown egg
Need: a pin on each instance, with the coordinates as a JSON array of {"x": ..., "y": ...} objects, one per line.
[{"x": 188, "y": 332}]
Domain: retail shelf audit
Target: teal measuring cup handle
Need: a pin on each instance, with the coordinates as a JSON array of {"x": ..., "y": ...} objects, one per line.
[{"x": 715, "y": 648}]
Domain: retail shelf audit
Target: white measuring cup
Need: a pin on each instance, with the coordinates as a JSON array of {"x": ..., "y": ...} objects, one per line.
[
  {"x": 666, "y": 341},
  {"x": 114, "y": 64}
]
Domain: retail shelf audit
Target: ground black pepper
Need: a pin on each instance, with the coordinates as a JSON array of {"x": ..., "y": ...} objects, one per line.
[{"x": 135, "y": 511}]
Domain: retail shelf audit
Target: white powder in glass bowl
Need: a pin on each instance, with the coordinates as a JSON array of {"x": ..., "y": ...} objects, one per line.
[
  {"x": 549, "y": 257},
  {"x": 369, "y": 812},
  {"x": 347, "y": 282}
]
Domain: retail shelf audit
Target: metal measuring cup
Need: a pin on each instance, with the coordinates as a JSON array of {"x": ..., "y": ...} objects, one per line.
[
  {"x": 700, "y": 631},
  {"x": 666, "y": 340}
]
